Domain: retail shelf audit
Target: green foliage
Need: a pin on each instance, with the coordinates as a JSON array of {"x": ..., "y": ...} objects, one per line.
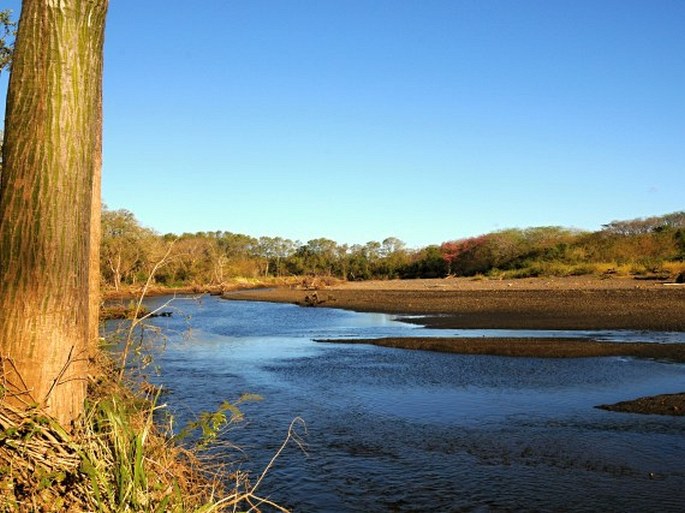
[
  {"x": 679, "y": 239},
  {"x": 127, "y": 465},
  {"x": 7, "y": 33},
  {"x": 123, "y": 484},
  {"x": 426, "y": 263},
  {"x": 642, "y": 226},
  {"x": 127, "y": 250},
  {"x": 642, "y": 245},
  {"x": 115, "y": 459},
  {"x": 213, "y": 258},
  {"x": 210, "y": 424}
]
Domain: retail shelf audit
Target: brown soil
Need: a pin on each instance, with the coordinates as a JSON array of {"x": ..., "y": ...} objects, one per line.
[
  {"x": 120, "y": 311},
  {"x": 540, "y": 303},
  {"x": 666, "y": 404},
  {"x": 530, "y": 347}
]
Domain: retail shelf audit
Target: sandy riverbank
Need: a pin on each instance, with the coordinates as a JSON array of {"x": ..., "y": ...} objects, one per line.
[
  {"x": 530, "y": 347},
  {"x": 540, "y": 303}
]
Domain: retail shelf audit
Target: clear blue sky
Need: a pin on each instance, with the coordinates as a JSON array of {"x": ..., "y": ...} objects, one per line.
[{"x": 427, "y": 120}]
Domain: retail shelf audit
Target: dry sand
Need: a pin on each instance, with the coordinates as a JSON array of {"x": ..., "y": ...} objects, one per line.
[{"x": 541, "y": 303}]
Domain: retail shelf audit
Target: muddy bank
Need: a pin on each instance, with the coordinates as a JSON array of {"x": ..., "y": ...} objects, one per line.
[
  {"x": 530, "y": 347},
  {"x": 665, "y": 404},
  {"x": 119, "y": 312},
  {"x": 526, "y": 304}
]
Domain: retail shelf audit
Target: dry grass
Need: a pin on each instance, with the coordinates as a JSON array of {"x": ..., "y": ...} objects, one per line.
[
  {"x": 39, "y": 464},
  {"x": 113, "y": 460},
  {"x": 116, "y": 459}
]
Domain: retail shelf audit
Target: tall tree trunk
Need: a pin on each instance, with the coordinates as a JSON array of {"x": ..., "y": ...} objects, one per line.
[
  {"x": 49, "y": 205},
  {"x": 94, "y": 272}
]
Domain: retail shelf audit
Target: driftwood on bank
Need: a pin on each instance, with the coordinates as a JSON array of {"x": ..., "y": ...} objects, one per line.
[{"x": 113, "y": 312}]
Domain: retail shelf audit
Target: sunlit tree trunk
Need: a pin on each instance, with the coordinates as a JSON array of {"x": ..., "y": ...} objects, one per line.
[
  {"x": 116, "y": 273},
  {"x": 50, "y": 205},
  {"x": 94, "y": 272}
]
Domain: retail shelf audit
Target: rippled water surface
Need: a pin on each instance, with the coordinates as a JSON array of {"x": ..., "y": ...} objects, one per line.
[{"x": 392, "y": 430}]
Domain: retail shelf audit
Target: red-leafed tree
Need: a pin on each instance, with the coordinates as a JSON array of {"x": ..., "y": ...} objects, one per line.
[{"x": 462, "y": 255}]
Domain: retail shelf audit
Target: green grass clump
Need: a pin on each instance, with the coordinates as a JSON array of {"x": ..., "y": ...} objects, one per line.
[{"x": 114, "y": 460}]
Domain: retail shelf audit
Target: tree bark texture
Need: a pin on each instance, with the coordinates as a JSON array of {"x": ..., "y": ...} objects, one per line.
[{"x": 50, "y": 204}]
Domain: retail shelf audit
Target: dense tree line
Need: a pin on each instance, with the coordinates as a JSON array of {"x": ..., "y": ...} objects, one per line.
[
  {"x": 130, "y": 252},
  {"x": 631, "y": 247}
]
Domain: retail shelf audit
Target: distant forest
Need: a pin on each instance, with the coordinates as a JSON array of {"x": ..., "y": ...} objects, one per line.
[{"x": 649, "y": 247}]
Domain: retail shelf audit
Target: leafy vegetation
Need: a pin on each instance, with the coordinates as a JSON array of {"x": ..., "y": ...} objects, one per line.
[
  {"x": 653, "y": 246},
  {"x": 7, "y": 32},
  {"x": 118, "y": 459}
]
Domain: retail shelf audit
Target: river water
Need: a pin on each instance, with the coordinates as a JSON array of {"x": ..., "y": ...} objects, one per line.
[{"x": 391, "y": 430}]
